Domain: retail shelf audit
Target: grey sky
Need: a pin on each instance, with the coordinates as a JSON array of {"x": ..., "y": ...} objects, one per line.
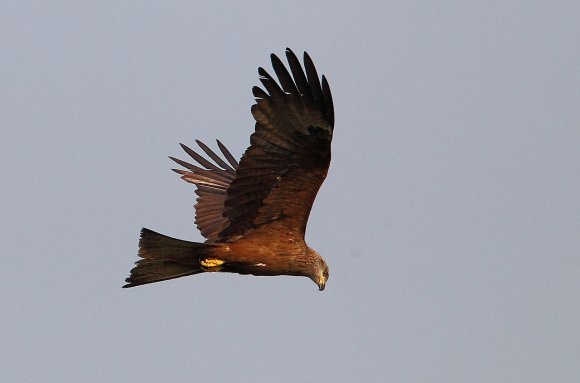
[{"x": 450, "y": 218}]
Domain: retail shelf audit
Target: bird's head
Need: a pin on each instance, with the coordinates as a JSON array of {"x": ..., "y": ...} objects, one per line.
[{"x": 320, "y": 271}]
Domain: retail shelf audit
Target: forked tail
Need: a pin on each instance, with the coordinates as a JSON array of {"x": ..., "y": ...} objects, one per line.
[{"x": 167, "y": 258}]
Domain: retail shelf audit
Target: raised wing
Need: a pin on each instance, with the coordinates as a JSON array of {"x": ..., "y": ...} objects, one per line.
[
  {"x": 212, "y": 181},
  {"x": 280, "y": 173}
]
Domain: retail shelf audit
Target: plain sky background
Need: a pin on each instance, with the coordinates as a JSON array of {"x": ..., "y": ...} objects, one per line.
[{"x": 450, "y": 218}]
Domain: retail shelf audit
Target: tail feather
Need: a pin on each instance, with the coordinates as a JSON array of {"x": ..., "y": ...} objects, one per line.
[
  {"x": 155, "y": 270},
  {"x": 166, "y": 258}
]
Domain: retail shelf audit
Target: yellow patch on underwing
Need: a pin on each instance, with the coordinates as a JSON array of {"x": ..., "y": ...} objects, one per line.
[{"x": 211, "y": 262}]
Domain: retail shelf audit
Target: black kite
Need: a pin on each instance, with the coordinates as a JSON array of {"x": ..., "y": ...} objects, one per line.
[{"x": 254, "y": 214}]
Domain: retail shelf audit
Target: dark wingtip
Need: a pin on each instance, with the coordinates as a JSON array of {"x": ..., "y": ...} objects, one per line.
[{"x": 307, "y": 57}]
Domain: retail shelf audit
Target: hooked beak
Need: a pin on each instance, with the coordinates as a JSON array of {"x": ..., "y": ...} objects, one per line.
[{"x": 321, "y": 283}]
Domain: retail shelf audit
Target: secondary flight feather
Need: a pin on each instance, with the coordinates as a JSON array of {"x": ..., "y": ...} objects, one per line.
[{"x": 253, "y": 213}]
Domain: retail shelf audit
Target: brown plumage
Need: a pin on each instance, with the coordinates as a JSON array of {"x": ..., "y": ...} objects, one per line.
[{"x": 254, "y": 214}]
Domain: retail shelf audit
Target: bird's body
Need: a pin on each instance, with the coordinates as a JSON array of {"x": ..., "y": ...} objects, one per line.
[{"x": 253, "y": 214}]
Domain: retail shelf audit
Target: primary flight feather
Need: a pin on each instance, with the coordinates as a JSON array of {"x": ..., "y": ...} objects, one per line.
[{"x": 253, "y": 214}]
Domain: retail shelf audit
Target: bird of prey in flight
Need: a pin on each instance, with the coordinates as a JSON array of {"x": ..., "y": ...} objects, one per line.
[{"x": 253, "y": 213}]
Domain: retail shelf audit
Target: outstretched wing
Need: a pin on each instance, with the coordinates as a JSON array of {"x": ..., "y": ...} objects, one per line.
[
  {"x": 212, "y": 181},
  {"x": 280, "y": 173}
]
